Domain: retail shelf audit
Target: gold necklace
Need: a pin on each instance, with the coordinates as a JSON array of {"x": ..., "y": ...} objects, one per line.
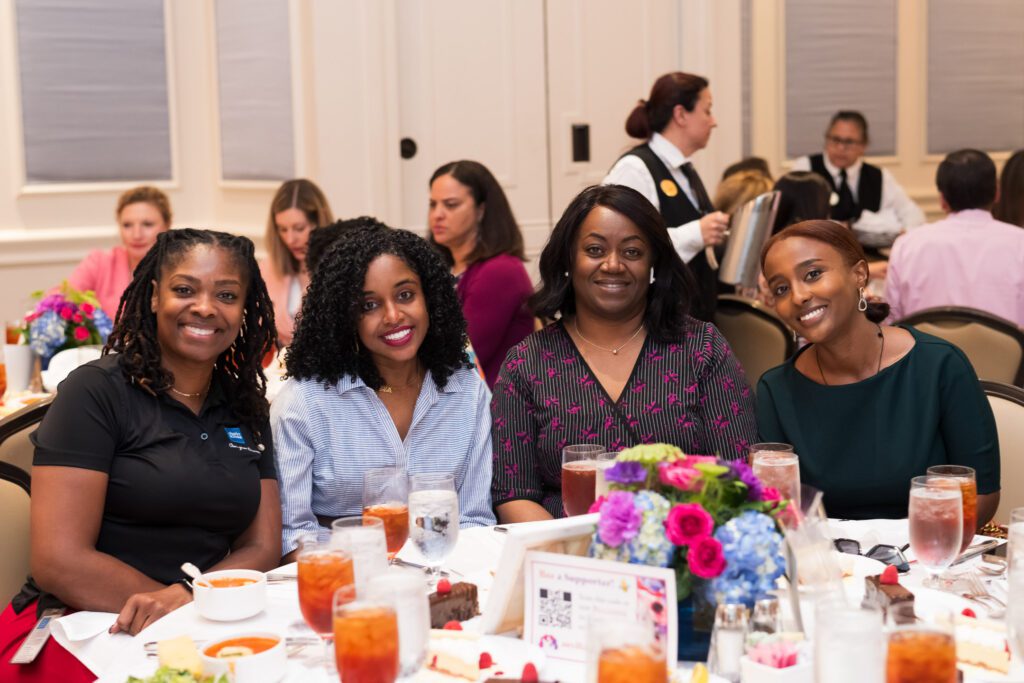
[
  {"x": 188, "y": 395},
  {"x": 878, "y": 369},
  {"x": 615, "y": 350},
  {"x": 388, "y": 389}
]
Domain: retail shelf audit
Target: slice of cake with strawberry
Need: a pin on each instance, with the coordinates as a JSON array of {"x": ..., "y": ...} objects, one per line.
[
  {"x": 458, "y": 653},
  {"x": 982, "y": 643}
]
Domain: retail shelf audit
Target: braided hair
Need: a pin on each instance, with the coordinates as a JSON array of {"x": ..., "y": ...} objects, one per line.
[
  {"x": 239, "y": 369},
  {"x": 326, "y": 346}
]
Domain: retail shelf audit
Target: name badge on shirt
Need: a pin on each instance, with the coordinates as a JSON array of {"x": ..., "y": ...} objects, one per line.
[
  {"x": 669, "y": 188},
  {"x": 235, "y": 435}
]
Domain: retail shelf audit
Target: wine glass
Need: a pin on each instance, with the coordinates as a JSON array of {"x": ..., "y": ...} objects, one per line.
[
  {"x": 579, "y": 477},
  {"x": 325, "y": 576},
  {"x": 767, "y": 447},
  {"x": 362, "y": 537},
  {"x": 618, "y": 652},
  {"x": 936, "y": 523},
  {"x": 779, "y": 469},
  {"x": 366, "y": 642},
  {"x": 386, "y": 495},
  {"x": 433, "y": 518},
  {"x": 406, "y": 591},
  {"x": 969, "y": 490},
  {"x": 920, "y": 651}
]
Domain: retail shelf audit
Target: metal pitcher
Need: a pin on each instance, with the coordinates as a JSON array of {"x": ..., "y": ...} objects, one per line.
[{"x": 749, "y": 229}]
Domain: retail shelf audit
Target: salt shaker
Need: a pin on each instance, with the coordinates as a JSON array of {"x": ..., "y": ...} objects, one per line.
[
  {"x": 766, "y": 617},
  {"x": 727, "y": 640}
]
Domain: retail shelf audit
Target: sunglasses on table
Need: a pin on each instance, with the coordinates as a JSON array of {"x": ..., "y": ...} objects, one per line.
[{"x": 886, "y": 554}]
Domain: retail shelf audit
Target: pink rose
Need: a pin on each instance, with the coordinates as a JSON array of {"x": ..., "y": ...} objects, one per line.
[
  {"x": 705, "y": 558},
  {"x": 65, "y": 312},
  {"x": 88, "y": 308},
  {"x": 679, "y": 475},
  {"x": 596, "y": 505},
  {"x": 81, "y": 334},
  {"x": 77, "y": 318},
  {"x": 688, "y": 523},
  {"x": 769, "y": 493}
]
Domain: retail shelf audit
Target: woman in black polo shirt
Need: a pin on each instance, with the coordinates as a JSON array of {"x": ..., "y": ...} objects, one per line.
[{"x": 157, "y": 454}]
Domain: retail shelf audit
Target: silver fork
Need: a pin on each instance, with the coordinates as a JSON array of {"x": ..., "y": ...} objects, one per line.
[{"x": 980, "y": 593}]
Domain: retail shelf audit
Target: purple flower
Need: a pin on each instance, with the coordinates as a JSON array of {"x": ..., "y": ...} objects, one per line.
[
  {"x": 626, "y": 473},
  {"x": 742, "y": 471},
  {"x": 619, "y": 520}
]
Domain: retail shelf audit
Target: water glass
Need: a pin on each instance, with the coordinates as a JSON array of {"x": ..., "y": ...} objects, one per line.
[
  {"x": 604, "y": 461},
  {"x": 624, "y": 653},
  {"x": 406, "y": 591},
  {"x": 386, "y": 495},
  {"x": 921, "y": 652},
  {"x": 848, "y": 643},
  {"x": 936, "y": 523},
  {"x": 366, "y": 642},
  {"x": 434, "y": 518},
  {"x": 779, "y": 470},
  {"x": 362, "y": 537},
  {"x": 965, "y": 477},
  {"x": 579, "y": 477},
  {"x": 1015, "y": 576}
]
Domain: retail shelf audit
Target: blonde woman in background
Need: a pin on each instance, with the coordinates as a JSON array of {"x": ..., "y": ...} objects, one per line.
[
  {"x": 739, "y": 188},
  {"x": 298, "y": 208},
  {"x": 142, "y": 213}
]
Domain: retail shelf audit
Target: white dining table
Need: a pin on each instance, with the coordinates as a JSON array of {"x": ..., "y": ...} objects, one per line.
[{"x": 114, "y": 658}]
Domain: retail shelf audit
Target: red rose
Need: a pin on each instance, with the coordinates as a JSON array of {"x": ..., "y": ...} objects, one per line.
[{"x": 81, "y": 334}]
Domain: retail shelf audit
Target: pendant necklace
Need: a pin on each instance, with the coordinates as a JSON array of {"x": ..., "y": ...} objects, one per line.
[{"x": 615, "y": 350}]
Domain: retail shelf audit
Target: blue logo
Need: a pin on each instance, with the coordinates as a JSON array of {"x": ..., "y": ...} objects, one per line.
[{"x": 235, "y": 435}]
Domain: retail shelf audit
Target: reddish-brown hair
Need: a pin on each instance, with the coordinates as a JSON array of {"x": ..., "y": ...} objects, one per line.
[
  {"x": 840, "y": 238},
  {"x": 652, "y": 115}
]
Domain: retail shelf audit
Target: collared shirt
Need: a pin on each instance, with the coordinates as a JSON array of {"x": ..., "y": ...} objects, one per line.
[
  {"x": 327, "y": 436},
  {"x": 631, "y": 172},
  {"x": 897, "y": 212},
  {"x": 968, "y": 259}
]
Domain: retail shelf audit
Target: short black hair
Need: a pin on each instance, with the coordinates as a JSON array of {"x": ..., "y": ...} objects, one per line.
[
  {"x": 326, "y": 344},
  {"x": 853, "y": 117},
  {"x": 668, "y": 298},
  {"x": 966, "y": 179},
  {"x": 322, "y": 238}
]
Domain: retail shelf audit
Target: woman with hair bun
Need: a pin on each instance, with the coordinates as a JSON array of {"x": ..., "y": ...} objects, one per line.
[
  {"x": 676, "y": 123},
  {"x": 866, "y": 406}
]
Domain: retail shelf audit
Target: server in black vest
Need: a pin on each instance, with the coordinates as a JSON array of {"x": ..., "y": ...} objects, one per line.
[
  {"x": 676, "y": 122},
  {"x": 860, "y": 187}
]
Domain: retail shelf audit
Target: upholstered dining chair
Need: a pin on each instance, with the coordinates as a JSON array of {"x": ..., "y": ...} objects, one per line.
[
  {"x": 14, "y": 530},
  {"x": 15, "y": 448},
  {"x": 758, "y": 337},
  {"x": 1007, "y": 403},
  {"x": 994, "y": 346}
]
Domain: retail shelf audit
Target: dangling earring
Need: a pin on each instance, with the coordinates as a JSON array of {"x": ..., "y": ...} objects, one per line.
[
  {"x": 566, "y": 274},
  {"x": 862, "y": 305},
  {"x": 652, "y": 275}
]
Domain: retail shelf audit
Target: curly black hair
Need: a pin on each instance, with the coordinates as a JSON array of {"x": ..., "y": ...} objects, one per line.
[
  {"x": 668, "y": 298},
  {"x": 326, "y": 345},
  {"x": 239, "y": 369},
  {"x": 324, "y": 236}
]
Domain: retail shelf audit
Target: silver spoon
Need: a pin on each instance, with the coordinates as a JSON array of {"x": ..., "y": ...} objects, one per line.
[{"x": 191, "y": 571}]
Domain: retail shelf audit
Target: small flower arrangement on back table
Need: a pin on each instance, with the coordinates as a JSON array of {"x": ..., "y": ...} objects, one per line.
[
  {"x": 710, "y": 520},
  {"x": 65, "y": 319}
]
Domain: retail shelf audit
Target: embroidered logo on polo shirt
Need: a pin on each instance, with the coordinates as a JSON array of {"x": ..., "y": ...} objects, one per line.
[{"x": 235, "y": 435}]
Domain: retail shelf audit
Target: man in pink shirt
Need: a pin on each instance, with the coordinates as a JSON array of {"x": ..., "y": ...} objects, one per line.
[{"x": 967, "y": 259}]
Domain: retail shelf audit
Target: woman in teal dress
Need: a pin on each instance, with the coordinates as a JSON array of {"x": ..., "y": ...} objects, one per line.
[{"x": 866, "y": 406}]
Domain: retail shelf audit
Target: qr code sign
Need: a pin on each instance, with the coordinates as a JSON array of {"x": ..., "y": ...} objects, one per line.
[{"x": 555, "y": 608}]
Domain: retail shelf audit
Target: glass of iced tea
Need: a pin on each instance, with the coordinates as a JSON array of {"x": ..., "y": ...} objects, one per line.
[
  {"x": 386, "y": 496},
  {"x": 778, "y": 469},
  {"x": 323, "y": 571},
  {"x": 969, "y": 490},
  {"x": 921, "y": 652},
  {"x": 366, "y": 641},
  {"x": 579, "y": 477},
  {"x": 624, "y": 653}
]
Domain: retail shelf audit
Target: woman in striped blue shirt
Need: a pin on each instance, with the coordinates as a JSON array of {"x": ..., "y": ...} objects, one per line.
[{"x": 378, "y": 378}]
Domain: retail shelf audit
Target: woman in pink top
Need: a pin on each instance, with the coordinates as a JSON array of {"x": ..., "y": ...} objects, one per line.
[
  {"x": 472, "y": 225},
  {"x": 298, "y": 208},
  {"x": 143, "y": 213}
]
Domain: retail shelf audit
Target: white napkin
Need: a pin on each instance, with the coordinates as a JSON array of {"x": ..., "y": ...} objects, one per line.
[{"x": 86, "y": 635}]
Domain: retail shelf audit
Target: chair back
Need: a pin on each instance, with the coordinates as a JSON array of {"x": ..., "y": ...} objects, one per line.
[
  {"x": 15, "y": 447},
  {"x": 1007, "y": 403},
  {"x": 759, "y": 338},
  {"x": 14, "y": 531},
  {"x": 994, "y": 346}
]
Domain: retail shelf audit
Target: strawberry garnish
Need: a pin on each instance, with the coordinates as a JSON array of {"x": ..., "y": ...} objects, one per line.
[
  {"x": 453, "y": 626},
  {"x": 486, "y": 661},
  {"x": 444, "y": 587},
  {"x": 889, "y": 577},
  {"x": 968, "y": 612},
  {"x": 529, "y": 674}
]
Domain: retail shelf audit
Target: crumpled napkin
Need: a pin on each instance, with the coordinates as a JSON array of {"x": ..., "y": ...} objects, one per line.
[
  {"x": 86, "y": 635},
  {"x": 778, "y": 655}
]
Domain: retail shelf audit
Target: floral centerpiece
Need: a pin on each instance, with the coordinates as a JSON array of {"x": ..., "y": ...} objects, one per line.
[
  {"x": 65, "y": 319},
  {"x": 712, "y": 521}
]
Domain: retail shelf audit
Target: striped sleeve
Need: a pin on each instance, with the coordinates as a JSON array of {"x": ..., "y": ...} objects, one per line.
[
  {"x": 731, "y": 417},
  {"x": 514, "y": 436}
]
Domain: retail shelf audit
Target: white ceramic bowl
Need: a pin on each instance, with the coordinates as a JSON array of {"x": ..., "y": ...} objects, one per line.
[
  {"x": 269, "y": 666},
  {"x": 234, "y": 603}
]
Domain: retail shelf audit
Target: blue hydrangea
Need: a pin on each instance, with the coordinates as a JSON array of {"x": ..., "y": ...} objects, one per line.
[
  {"x": 753, "y": 550},
  {"x": 47, "y": 333},
  {"x": 649, "y": 546},
  {"x": 103, "y": 323}
]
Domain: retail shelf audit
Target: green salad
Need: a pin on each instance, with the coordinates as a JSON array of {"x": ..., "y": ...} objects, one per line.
[{"x": 166, "y": 674}]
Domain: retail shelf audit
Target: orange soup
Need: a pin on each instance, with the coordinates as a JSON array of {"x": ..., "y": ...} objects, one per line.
[
  {"x": 229, "y": 582},
  {"x": 255, "y": 644}
]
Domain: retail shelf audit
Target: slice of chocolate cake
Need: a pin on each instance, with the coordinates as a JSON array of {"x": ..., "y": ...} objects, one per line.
[
  {"x": 457, "y": 603},
  {"x": 888, "y": 595}
]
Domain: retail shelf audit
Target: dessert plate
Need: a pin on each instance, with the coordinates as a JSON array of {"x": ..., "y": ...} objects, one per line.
[{"x": 509, "y": 655}]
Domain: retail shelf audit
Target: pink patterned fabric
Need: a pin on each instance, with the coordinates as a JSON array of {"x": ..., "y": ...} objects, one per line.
[{"x": 691, "y": 393}]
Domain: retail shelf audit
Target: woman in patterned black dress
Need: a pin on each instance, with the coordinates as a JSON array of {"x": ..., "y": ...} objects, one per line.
[{"x": 623, "y": 365}]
